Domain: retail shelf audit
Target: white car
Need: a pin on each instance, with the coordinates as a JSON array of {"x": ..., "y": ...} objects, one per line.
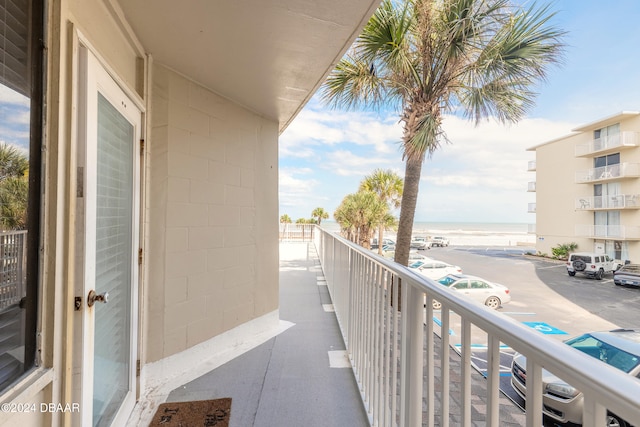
[
  {"x": 439, "y": 241},
  {"x": 562, "y": 402},
  {"x": 491, "y": 294},
  {"x": 434, "y": 269},
  {"x": 420, "y": 243},
  {"x": 413, "y": 256}
]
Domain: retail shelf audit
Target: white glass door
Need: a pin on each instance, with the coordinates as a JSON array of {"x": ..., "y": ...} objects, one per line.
[{"x": 109, "y": 198}]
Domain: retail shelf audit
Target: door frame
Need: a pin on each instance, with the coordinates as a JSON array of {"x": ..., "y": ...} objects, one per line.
[{"x": 93, "y": 76}]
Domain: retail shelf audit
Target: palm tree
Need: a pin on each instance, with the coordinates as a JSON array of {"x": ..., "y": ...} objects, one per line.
[
  {"x": 477, "y": 58},
  {"x": 285, "y": 219},
  {"x": 319, "y": 214},
  {"x": 388, "y": 186},
  {"x": 14, "y": 187},
  {"x": 359, "y": 214}
]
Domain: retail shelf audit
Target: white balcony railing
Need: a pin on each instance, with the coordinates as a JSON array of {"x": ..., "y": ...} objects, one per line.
[
  {"x": 619, "y": 201},
  {"x": 622, "y": 232},
  {"x": 531, "y": 166},
  {"x": 531, "y": 208},
  {"x": 296, "y": 232},
  {"x": 531, "y": 229},
  {"x": 611, "y": 142},
  {"x": 388, "y": 350},
  {"x": 606, "y": 173},
  {"x": 531, "y": 186}
]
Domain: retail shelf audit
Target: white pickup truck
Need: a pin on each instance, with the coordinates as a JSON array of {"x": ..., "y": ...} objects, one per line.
[{"x": 439, "y": 241}]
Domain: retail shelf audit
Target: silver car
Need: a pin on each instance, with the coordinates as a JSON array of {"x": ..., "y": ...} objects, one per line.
[
  {"x": 619, "y": 348},
  {"x": 491, "y": 294}
]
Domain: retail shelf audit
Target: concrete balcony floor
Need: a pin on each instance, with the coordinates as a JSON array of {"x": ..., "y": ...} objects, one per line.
[{"x": 289, "y": 380}]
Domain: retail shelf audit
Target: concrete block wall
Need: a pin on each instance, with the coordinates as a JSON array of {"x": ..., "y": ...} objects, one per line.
[{"x": 212, "y": 216}]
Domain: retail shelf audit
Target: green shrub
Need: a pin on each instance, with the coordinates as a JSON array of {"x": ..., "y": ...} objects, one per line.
[{"x": 562, "y": 251}]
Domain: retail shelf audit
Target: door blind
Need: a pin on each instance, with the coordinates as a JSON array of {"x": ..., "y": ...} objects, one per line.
[{"x": 14, "y": 43}]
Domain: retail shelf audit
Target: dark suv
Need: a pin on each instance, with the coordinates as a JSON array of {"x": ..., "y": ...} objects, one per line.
[{"x": 627, "y": 275}]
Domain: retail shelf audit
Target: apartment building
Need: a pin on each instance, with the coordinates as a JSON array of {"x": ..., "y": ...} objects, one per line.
[{"x": 587, "y": 188}]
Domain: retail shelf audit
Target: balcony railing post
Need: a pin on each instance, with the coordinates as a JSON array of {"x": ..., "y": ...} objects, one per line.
[
  {"x": 534, "y": 393},
  {"x": 411, "y": 375},
  {"x": 493, "y": 383}
]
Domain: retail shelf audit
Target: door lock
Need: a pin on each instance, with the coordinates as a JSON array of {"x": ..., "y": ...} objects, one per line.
[{"x": 93, "y": 297}]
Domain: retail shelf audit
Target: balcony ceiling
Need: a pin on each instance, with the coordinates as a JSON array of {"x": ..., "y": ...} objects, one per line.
[{"x": 267, "y": 55}]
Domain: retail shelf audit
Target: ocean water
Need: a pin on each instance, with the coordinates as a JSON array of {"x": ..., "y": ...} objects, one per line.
[{"x": 466, "y": 233}]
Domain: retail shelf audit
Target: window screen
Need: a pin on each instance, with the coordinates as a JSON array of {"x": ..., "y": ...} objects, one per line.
[{"x": 21, "y": 77}]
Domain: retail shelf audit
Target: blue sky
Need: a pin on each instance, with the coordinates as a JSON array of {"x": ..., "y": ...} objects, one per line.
[
  {"x": 481, "y": 176},
  {"x": 14, "y": 118}
]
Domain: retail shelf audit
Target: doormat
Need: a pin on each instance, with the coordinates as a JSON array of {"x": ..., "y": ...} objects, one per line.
[{"x": 207, "y": 413}]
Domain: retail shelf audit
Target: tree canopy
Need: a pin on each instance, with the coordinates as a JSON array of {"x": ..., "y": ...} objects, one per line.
[{"x": 476, "y": 58}]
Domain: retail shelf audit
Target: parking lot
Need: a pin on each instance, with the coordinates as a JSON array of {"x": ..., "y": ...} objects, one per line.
[{"x": 544, "y": 297}]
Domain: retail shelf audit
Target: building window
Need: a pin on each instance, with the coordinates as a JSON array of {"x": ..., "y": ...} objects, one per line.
[
  {"x": 617, "y": 249},
  {"x": 602, "y": 161},
  {"x": 606, "y": 137},
  {"x": 21, "y": 101}
]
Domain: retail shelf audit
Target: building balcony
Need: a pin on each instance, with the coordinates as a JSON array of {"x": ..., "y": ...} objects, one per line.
[
  {"x": 531, "y": 187},
  {"x": 608, "y": 232},
  {"x": 608, "y": 144},
  {"x": 531, "y": 166},
  {"x": 531, "y": 229},
  {"x": 531, "y": 208},
  {"x": 608, "y": 173},
  {"x": 619, "y": 201}
]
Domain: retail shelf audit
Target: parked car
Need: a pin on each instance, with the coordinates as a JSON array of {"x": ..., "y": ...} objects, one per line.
[
  {"x": 434, "y": 269},
  {"x": 491, "y": 294},
  {"x": 439, "y": 241},
  {"x": 385, "y": 242},
  {"x": 413, "y": 256},
  {"x": 619, "y": 348},
  {"x": 591, "y": 264},
  {"x": 628, "y": 274},
  {"x": 420, "y": 243}
]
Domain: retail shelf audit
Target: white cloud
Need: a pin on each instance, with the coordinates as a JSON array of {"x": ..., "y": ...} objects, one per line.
[
  {"x": 298, "y": 191},
  {"x": 348, "y": 163},
  {"x": 9, "y": 96},
  {"x": 315, "y": 129}
]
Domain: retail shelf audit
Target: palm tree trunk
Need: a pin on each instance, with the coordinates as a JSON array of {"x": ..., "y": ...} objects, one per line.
[
  {"x": 413, "y": 169},
  {"x": 380, "y": 234}
]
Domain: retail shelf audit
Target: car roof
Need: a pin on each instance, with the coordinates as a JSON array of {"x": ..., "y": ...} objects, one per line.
[
  {"x": 460, "y": 276},
  {"x": 633, "y": 268},
  {"x": 624, "y": 339}
]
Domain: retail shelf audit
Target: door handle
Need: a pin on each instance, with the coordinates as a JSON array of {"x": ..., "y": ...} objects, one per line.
[{"x": 93, "y": 297}]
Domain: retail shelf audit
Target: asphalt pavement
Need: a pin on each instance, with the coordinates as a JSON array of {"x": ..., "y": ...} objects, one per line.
[{"x": 544, "y": 297}]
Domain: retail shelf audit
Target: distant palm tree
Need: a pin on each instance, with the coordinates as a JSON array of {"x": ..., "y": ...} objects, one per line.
[
  {"x": 285, "y": 219},
  {"x": 14, "y": 187},
  {"x": 359, "y": 215},
  {"x": 319, "y": 214},
  {"x": 388, "y": 186},
  {"x": 477, "y": 58},
  {"x": 305, "y": 221}
]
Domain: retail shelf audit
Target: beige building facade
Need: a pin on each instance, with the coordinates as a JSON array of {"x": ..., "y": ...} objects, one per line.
[
  {"x": 152, "y": 135},
  {"x": 587, "y": 188}
]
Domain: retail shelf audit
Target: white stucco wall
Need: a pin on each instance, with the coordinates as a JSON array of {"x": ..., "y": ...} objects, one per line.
[{"x": 212, "y": 216}]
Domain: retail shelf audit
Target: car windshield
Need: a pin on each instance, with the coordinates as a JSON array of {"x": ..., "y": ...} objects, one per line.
[
  {"x": 605, "y": 352},
  {"x": 416, "y": 264},
  {"x": 447, "y": 280}
]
